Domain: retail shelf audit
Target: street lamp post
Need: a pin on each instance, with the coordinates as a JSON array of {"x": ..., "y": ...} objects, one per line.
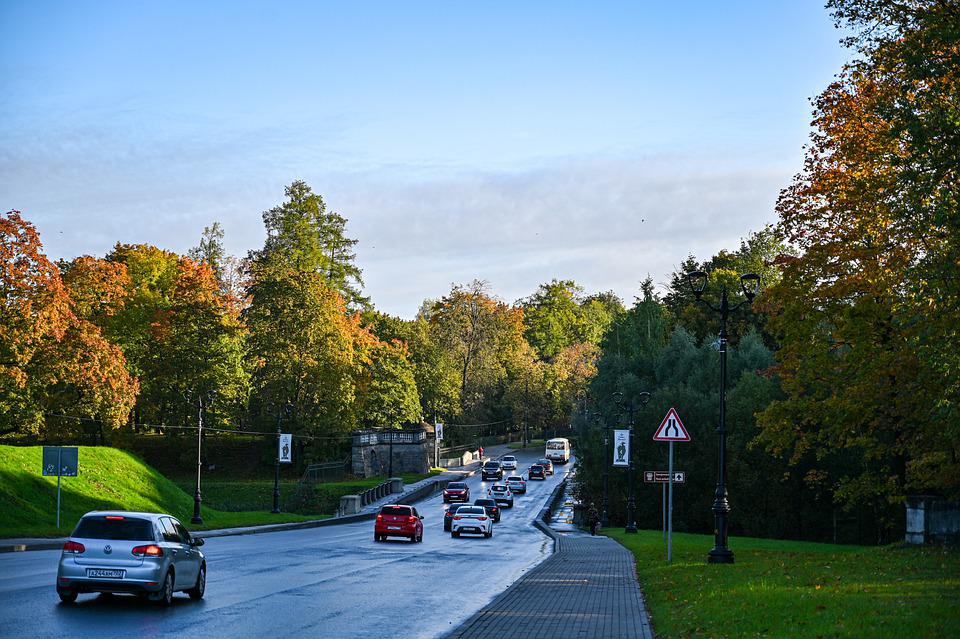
[
  {"x": 749, "y": 285},
  {"x": 276, "y": 467},
  {"x": 605, "y": 516},
  {"x": 631, "y": 409},
  {"x": 197, "y": 499}
]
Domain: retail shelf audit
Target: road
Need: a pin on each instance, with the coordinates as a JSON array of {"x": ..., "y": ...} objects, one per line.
[{"x": 332, "y": 582}]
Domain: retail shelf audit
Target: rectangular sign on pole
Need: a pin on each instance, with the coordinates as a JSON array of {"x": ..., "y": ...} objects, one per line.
[
  {"x": 663, "y": 476},
  {"x": 60, "y": 461},
  {"x": 285, "y": 448},
  {"x": 621, "y": 448},
  {"x": 438, "y": 429}
]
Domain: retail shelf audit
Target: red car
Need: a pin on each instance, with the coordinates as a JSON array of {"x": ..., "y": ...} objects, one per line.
[
  {"x": 456, "y": 491},
  {"x": 397, "y": 520}
]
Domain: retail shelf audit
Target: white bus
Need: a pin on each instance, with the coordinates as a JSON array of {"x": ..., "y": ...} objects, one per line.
[{"x": 558, "y": 450}]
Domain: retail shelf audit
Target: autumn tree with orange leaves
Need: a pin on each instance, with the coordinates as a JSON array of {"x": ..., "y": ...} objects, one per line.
[
  {"x": 53, "y": 362},
  {"x": 869, "y": 304}
]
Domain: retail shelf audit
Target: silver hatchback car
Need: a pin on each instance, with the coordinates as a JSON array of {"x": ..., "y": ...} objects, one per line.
[{"x": 149, "y": 554}]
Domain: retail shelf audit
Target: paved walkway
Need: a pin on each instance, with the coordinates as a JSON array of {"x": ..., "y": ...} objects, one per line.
[{"x": 586, "y": 590}]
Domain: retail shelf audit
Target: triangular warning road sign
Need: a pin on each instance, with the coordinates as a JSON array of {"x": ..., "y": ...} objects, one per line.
[{"x": 671, "y": 429}]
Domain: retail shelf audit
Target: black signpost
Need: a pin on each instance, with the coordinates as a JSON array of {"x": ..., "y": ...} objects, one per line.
[{"x": 62, "y": 461}]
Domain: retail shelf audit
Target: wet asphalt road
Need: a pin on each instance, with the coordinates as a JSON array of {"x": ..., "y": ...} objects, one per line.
[{"x": 330, "y": 582}]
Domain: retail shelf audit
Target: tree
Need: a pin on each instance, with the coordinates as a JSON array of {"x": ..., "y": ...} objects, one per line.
[
  {"x": 389, "y": 398},
  {"x": 52, "y": 361},
  {"x": 302, "y": 232},
  {"x": 482, "y": 335},
  {"x": 867, "y": 310}
]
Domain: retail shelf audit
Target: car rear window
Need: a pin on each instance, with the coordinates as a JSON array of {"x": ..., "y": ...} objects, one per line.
[
  {"x": 499, "y": 489},
  {"x": 509, "y": 458},
  {"x": 492, "y": 464},
  {"x": 394, "y": 510},
  {"x": 484, "y": 502},
  {"x": 514, "y": 478},
  {"x": 128, "y": 528},
  {"x": 472, "y": 510},
  {"x": 457, "y": 485}
]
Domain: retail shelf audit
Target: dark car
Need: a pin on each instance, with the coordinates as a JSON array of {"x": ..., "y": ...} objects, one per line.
[
  {"x": 456, "y": 491},
  {"x": 537, "y": 472},
  {"x": 491, "y": 506},
  {"x": 491, "y": 470},
  {"x": 398, "y": 520},
  {"x": 547, "y": 465},
  {"x": 448, "y": 515}
]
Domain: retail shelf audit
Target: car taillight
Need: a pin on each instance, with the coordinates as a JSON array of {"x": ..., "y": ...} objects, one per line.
[
  {"x": 115, "y": 517},
  {"x": 74, "y": 547},
  {"x": 411, "y": 519},
  {"x": 456, "y": 517},
  {"x": 147, "y": 551},
  {"x": 482, "y": 518},
  {"x": 379, "y": 517}
]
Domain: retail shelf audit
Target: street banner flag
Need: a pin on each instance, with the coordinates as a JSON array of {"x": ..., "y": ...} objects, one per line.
[
  {"x": 671, "y": 429},
  {"x": 621, "y": 448},
  {"x": 285, "y": 448}
]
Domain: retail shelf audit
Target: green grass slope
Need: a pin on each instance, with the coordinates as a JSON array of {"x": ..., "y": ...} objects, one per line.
[
  {"x": 108, "y": 479},
  {"x": 796, "y": 589}
]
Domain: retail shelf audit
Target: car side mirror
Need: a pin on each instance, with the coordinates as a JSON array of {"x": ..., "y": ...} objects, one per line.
[
  {"x": 196, "y": 541},
  {"x": 421, "y": 517}
]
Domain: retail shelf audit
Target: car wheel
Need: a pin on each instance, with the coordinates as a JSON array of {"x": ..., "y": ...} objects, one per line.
[
  {"x": 376, "y": 537},
  {"x": 455, "y": 533},
  {"x": 165, "y": 596},
  {"x": 488, "y": 535},
  {"x": 420, "y": 538},
  {"x": 67, "y": 595},
  {"x": 197, "y": 591}
]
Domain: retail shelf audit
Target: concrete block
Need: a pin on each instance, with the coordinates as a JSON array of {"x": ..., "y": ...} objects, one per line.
[
  {"x": 350, "y": 504},
  {"x": 396, "y": 485}
]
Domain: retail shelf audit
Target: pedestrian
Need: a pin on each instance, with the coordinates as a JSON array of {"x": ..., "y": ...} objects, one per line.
[
  {"x": 481, "y": 453},
  {"x": 593, "y": 518}
]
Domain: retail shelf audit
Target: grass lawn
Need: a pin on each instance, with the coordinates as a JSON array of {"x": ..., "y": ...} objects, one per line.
[
  {"x": 108, "y": 479},
  {"x": 796, "y": 589},
  {"x": 533, "y": 443}
]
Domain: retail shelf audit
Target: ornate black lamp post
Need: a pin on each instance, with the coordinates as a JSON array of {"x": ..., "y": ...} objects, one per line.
[
  {"x": 197, "y": 499},
  {"x": 282, "y": 409},
  {"x": 749, "y": 285},
  {"x": 631, "y": 409},
  {"x": 605, "y": 516}
]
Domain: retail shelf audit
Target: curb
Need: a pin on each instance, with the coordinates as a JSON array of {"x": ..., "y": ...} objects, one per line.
[{"x": 542, "y": 522}]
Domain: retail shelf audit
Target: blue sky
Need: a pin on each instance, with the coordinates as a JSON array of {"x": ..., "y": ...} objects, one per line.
[{"x": 592, "y": 141}]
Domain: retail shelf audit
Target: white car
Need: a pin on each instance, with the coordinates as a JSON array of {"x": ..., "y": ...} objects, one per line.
[
  {"x": 508, "y": 462},
  {"x": 502, "y": 494},
  {"x": 471, "y": 519},
  {"x": 516, "y": 484}
]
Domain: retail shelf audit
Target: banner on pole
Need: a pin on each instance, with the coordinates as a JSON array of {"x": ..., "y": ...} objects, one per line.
[
  {"x": 439, "y": 431},
  {"x": 285, "y": 448},
  {"x": 621, "y": 448}
]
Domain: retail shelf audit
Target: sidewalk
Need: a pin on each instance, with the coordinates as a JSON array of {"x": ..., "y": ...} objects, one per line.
[
  {"x": 452, "y": 474},
  {"x": 586, "y": 590}
]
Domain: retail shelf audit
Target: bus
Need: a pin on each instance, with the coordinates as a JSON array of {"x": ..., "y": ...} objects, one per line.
[{"x": 558, "y": 450}]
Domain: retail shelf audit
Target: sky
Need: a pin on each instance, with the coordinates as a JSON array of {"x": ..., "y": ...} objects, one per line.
[{"x": 509, "y": 142}]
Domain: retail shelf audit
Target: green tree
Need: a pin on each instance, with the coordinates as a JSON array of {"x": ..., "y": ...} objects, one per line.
[{"x": 308, "y": 236}]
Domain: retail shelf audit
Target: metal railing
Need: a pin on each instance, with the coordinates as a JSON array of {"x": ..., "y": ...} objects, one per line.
[{"x": 330, "y": 471}]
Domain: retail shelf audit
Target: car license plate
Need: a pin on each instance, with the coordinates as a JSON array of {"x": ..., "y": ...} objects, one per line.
[
  {"x": 109, "y": 574},
  {"x": 393, "y": 527}
]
